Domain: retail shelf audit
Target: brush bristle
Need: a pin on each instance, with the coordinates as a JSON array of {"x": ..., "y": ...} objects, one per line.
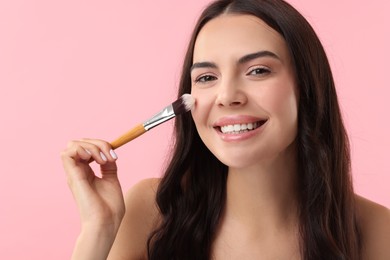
[{"x": 183, "y": 104}]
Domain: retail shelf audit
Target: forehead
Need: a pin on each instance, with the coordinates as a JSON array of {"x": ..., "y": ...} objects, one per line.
[{"x": 235, "y": 34}]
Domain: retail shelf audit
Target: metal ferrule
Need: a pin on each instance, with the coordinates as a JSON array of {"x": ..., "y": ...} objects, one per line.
[{"x": 165, "y": 114}]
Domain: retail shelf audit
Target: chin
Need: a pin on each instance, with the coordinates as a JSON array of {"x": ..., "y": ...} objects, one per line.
[{"x": 240, "y": 161}]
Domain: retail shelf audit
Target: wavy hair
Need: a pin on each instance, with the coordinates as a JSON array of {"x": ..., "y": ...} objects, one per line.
[{"x": 192, "y": 193}]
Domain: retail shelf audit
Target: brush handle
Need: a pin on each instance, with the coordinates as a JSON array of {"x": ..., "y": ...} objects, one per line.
[{"x": 127, "y": 137}]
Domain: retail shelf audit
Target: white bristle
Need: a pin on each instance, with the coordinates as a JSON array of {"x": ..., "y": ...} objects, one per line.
[{"x": 188, "y": 101}]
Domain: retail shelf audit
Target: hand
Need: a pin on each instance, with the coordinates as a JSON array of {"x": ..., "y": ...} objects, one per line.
[{"x": 99, "y": 199}]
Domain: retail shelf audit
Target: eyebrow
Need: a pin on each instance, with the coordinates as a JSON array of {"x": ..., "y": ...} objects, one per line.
[
  {"x": 205, "y": 64},
  {"x": 256, "y": 55},
  {"x": 244, "y": 59}
]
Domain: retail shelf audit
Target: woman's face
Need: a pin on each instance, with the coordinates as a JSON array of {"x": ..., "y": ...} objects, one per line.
[{"x": 245, "y": 91}]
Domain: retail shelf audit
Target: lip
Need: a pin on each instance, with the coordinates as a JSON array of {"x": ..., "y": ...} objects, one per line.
[{"x": 239, "y": 119}]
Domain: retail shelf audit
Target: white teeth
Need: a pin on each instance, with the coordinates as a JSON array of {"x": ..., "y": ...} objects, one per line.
[
  {"x": 229, "y": 128},
  {"x": 239, "y": 128}
]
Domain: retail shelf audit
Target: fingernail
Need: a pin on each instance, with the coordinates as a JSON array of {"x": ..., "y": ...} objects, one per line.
[
  {"x": 113, "y": 154},
  {"x": 88, "y": 152},
  {"x": 103, "y": 156}
]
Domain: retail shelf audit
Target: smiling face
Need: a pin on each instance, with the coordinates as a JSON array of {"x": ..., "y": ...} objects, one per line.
[{"x": 244, "y": 86}]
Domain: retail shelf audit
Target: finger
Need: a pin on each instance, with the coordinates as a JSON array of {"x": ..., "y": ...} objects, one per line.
[
  {"x": 78, "y": 155},
  {"x": 76, "y": 151},
  {"x": 73, "y": 154},
  {"x": 97, "y": 151},
  {"x": 109, "y": 169},
  {"x": 107, "y": 153}
]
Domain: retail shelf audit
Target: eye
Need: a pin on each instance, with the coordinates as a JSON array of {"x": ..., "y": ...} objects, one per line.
[
  {"x": 205, "y": 78},
  {"x": 259, "y": 71}
]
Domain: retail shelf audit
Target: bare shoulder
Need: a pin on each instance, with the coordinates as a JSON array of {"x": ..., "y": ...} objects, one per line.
[
  {"x": 142, "y": 194},
  {"x": 140, "y": 220},
  {"x": 374, "y": 220}
]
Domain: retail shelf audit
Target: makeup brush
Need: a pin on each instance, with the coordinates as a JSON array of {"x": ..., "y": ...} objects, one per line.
[{"x": 180, "y": 106}]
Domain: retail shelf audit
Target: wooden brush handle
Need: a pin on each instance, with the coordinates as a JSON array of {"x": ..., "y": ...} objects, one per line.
[{"x": 127, "y": 137}]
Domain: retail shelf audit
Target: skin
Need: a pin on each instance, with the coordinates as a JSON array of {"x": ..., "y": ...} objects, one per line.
[
  {"x": 260, "y": 219},
  {"x": 261, "y": 165}
]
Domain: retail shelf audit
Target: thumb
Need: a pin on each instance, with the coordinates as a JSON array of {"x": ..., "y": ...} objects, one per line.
[{"x": 109, "y": 169}]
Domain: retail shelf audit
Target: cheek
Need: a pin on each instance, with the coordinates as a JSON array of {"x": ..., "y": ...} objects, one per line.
[
  {"x": 203, "y": 104},
  {"x": 283, "y": 101},
  {"x": 196, "y": 116}
]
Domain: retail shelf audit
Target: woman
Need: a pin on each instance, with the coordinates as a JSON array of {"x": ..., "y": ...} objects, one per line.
[{"x": 260, "y": 168}]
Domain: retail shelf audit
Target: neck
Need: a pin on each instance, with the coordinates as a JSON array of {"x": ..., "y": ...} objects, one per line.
[{"x": 264, "y": 196}]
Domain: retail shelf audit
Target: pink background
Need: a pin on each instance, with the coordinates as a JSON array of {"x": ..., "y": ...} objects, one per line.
[{"x": 72, "y": 69}]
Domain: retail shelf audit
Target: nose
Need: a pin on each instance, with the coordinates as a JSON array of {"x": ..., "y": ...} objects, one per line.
[{"x": 230, "y": 94}]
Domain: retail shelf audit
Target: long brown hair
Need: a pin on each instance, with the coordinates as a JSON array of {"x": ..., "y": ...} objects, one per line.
[{"x": 192, "y": 193}]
